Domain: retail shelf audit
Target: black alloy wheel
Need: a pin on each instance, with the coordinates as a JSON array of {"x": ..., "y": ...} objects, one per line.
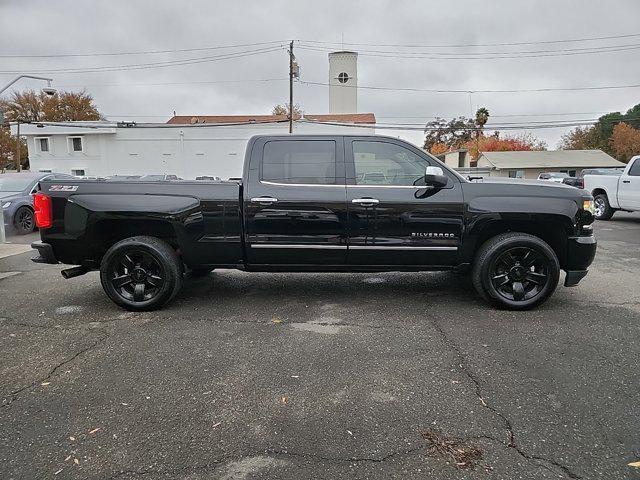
[
  {"x": 136, "y": 275},
  {"x": 515, "y": 270},
  {"x": 23, "y": 221},
  {"x": 520, "y": 273},
  {"x": 141, "y": 273}
]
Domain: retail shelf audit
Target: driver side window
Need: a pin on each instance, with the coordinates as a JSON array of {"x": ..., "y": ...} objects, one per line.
[{"x": 382, "y": 163}]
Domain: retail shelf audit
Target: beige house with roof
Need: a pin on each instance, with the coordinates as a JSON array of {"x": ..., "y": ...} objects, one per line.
[{"x": 530, "y": 164}]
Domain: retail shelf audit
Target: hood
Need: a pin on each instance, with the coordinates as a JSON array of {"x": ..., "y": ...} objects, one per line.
[
  {"x": 521, "y": 181},
  {"x": 9, "y": 195}
]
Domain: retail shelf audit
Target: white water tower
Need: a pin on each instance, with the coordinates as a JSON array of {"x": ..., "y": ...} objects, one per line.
[{"x": 343, "y": 82}]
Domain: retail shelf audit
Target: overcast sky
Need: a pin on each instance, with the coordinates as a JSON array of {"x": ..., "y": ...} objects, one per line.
[{"x": 75, "y": 27}]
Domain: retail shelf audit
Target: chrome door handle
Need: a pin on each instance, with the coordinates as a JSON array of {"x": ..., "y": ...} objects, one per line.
[
  {"x": 264, "y": 200},
  {"x": 366, "y": 202}
]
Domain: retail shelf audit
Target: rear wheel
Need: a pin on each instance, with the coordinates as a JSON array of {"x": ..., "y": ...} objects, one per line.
[
  {"x": 23, "y": 221},
  {"x": 141, "y": 273},
  {"x": 603, "y": 210},
  {"x": 516, "y": 270}
]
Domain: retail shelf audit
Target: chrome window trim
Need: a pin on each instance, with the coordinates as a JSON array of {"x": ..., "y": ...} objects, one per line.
[
  {"x": 390, "y": 186},
  {"x": 266, "y": 182},
  {"x": 349, "y": 185}
]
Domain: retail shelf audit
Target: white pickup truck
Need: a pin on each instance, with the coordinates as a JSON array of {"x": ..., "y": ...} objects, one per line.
[{"x": 612, "y": 192}]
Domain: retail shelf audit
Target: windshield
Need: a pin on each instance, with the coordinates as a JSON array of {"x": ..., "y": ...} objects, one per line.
[{"x": 15, "y": 183}]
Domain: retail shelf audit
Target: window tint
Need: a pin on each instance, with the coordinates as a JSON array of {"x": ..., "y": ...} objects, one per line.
[
  {"x": 300, "y": 161},
  {"x": 382, "y": 163},
  {"x": 634, "y": 171}
]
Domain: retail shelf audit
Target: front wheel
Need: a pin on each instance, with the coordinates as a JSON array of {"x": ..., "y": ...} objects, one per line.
[
  {"x": 517, "y": 271},
  {"x": 603, "y": 210},
  {"x": 141, "y": 273}
]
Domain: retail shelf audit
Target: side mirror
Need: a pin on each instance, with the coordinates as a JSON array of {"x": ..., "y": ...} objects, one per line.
[{"x": 435, "y": 177}]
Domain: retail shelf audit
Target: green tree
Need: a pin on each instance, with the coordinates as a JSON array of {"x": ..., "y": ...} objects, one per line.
[
  {"x": 580, "y": 138},
  {"x": 451, "y": 133},
  {"x": 482, "y": 117}
]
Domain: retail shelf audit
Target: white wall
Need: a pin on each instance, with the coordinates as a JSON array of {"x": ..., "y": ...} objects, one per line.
[
  {"x": 343, "y": 97},
  {"x": 184, "y": 151}
]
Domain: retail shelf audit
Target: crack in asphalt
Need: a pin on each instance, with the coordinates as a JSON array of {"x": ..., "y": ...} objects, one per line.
[
  {"x": 269, "y": 452},
  {"x": 14, "y": 395},
  {"x": 505, "y": 420}
]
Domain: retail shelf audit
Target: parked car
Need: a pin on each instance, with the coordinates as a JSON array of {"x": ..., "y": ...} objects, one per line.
[
  {"x": 615, "y": 192},
  {"x": 16, "y": 198},
  {"x": 159, "y": 178},
  {"x": 556, "y": 177},
  {"x": 307, "y": 203},
  {"x": 578, "y": 181}
]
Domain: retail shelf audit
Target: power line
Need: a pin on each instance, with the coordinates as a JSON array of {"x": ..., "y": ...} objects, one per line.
[
  {"x": 521, "y": 52},
  {"x": 162, "y": 84},
  {"x": 145, "y": 52},
  {"x": 471, "y": 56},
  {"x": 140, "y": 66},
  {"x": 539, "y": 42},
  {"x": 437, "y": 90}
]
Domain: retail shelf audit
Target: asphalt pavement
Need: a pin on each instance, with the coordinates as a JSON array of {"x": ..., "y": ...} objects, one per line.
[{"x": 295, "y": 376}]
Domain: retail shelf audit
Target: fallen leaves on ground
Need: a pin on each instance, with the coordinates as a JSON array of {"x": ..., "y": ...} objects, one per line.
[{"x": 453, "y": 450}]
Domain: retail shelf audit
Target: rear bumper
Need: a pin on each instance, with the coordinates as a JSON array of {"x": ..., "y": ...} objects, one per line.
[
  {"x": 580, "y": 254},
  {"x": 45, "y": 253}
]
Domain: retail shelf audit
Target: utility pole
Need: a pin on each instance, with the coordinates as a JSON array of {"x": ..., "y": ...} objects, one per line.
[
  {"x": 17, "y": 160},
  {"x": 291, "y": 59}
]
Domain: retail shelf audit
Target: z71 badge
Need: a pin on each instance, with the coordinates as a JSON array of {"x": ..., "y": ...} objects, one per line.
[{"x": 63, "y": 188}]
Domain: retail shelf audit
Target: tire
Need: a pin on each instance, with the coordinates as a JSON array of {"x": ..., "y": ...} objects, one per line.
[
  {"x": 141, "y": 273},
  {"x": 603, "y": 209},
  {"x": 516, "y": 271},
  {"x": 24, "y": 221}
]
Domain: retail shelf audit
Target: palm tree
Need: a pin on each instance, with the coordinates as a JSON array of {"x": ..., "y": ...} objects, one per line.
[{"x": 482, "y": 117}]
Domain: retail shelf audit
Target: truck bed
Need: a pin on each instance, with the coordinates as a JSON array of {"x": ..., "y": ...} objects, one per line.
[{"x": 201, "y": 216}]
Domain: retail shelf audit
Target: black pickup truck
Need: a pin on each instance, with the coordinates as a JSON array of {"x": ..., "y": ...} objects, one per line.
[{"x": 329, "y": 203}]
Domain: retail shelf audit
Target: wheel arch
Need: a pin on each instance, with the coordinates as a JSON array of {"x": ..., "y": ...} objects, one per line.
[{"x": 552, "y": 229}]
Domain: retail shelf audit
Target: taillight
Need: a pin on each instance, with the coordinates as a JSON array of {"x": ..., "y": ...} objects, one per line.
[
  {"x": 581, "y": 183},
  {"x": 44, "y": 212}
]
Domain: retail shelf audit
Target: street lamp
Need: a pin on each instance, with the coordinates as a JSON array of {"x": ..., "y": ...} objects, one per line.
[{"x": 48, "y": 89}]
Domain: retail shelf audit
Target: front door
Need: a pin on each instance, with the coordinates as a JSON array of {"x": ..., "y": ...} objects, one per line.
[
  {"x": 295, "y": 202},
  {"x": 629, "y": 187},
  {"x": 395, "y": 219}
]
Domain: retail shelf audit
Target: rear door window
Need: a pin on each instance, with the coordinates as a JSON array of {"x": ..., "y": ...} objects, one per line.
[{"x": 310, "y": 162}]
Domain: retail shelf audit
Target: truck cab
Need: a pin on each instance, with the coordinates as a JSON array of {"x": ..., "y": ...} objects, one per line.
[{"x": 616, "y": 192}]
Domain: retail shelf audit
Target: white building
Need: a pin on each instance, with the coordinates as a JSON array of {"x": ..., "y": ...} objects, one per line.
[
  {"x": 187, "y": 146},
  {"x": 343, "y": 82}
]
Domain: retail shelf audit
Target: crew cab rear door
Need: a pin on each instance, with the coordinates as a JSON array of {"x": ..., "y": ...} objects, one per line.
[
  {"x": 629, "y": 186},
  {"x": 394, "y": 218},
  {"x": 295, "y": 202}
]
